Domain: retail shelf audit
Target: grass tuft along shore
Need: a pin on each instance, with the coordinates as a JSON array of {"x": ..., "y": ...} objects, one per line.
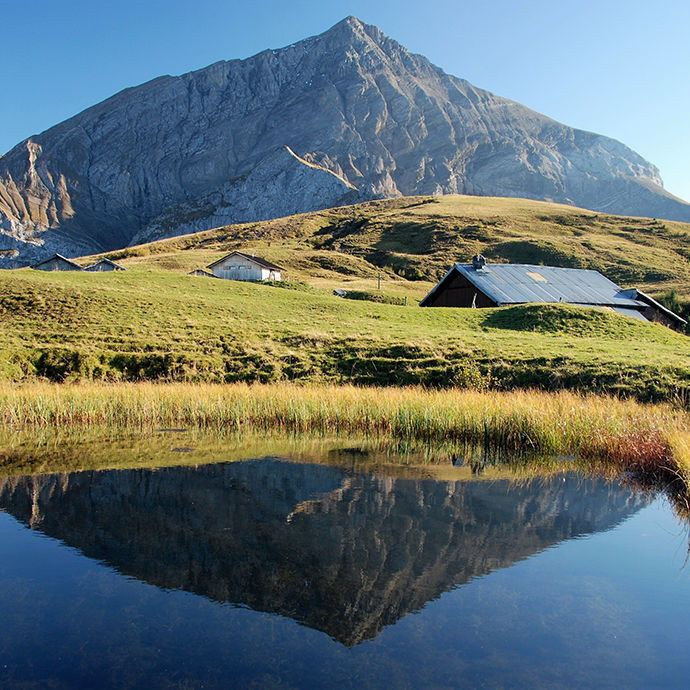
[{"x": 638, "y": 437}]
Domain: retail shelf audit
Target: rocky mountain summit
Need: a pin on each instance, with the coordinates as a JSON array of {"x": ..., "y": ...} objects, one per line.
[{"x": 342, "y": 117}]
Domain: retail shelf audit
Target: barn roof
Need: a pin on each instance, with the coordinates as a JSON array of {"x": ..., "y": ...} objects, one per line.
[
  {"x": 59, "y": 257},
  {"x": 523, "y": 283},
  {"x": 644, "y": 297},
  {"x": 201, "y": 272},
  {"x": 105, "y": 260},
  {"x": 257, "y": 260}
]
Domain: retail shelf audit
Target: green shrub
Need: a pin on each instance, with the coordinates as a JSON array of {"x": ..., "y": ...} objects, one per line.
[
  {"x": 289, "y": 285},
  {"x": 59, "y": 365},
  {"x": 379, "y": 297}
]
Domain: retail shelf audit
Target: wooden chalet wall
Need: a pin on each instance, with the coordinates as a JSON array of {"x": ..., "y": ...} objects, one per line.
[
  {"x": 651, "y": 313},
  {"x": 457, "y": 291}
]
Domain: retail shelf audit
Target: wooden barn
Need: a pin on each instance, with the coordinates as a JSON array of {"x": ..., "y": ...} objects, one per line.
[
  {"x": 481, "y": 284},
  {"x": 239, "y": 266},
  {"x": 104, "y": 265},
  {"x": 57, "y": 262}
]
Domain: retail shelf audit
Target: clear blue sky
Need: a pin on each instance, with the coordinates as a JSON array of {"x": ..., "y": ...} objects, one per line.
[{"x": 617, "y": 67}]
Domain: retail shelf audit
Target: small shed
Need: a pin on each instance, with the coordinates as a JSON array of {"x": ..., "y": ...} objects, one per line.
[
  {"x": 104, "y": 265},
  {"x": 240, "y": 266},
  {"x": 481, "y": 284},
  {"x": 57, "y": 262}
]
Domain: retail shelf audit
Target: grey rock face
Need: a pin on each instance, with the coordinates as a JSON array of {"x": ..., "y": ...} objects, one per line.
[
  {"x": 361, "y": 117},
  {"x": 281, "y": 184}
]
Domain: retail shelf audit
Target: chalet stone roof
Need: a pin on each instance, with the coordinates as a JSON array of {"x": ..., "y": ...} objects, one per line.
[
  {"x": 58, "y": 257},
  {"x": 201, "y": 272},
  {"x": 522, "y": 283},
  {"x": 257, "y": 260},
  {"x": 104, "y": 260}
]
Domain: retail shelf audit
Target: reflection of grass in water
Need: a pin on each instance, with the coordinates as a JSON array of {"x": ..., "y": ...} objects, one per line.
[
  {"x": 87, "y": 448},
  {"x": 46, "y": 450}
]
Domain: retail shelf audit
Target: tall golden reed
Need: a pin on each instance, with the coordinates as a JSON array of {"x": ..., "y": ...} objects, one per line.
[{"x": 643, "y": 436}]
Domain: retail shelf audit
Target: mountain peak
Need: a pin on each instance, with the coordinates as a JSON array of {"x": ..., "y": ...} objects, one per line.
[
  {"x": 350, "y": 23},
  {"x": 351, "y": 102},
  {"x": 353, "y": 27}
]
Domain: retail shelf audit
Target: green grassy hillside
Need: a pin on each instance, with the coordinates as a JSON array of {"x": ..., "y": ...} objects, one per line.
[
  {"x": 154, "y": 322},
  {"x": 420, "y": 238}
]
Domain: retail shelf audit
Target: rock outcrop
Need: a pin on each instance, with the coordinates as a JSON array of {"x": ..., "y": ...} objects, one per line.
[{"x": 344, "y": 116}]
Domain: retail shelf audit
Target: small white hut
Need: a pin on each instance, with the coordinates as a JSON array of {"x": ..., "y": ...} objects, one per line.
[{"x": 239, "y": 266}]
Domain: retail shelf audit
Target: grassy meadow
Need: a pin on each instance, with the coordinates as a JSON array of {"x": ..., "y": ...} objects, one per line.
[
  {"x": 546, "y": 422},
  {"x": 418, "y": 238},
  {"x": 154, "y": 322}
]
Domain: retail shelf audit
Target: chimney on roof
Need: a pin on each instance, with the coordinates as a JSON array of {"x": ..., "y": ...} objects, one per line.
[{"x": 478, "y": 262}]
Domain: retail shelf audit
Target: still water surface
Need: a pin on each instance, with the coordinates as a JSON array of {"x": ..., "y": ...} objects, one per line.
[{"x": 277, "y": 573}]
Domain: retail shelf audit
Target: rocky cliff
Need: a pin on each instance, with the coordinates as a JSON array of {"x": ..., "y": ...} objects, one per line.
[
  {"x": 344, "y": 552},
  {"x": 342, "y": 117}
]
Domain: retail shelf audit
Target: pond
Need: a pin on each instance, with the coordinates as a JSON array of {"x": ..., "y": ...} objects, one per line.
[{"x": 338, "y": 567}]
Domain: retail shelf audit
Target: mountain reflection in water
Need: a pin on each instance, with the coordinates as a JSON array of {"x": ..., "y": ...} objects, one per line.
[{"x": 340, "y": 551}]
